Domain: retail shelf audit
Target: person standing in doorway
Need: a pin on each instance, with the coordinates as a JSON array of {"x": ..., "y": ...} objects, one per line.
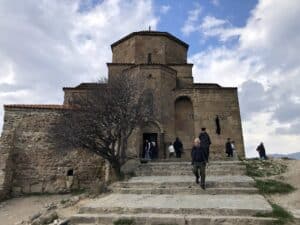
[
  {"x": 178, "y": 147},
  {"x": 228, "y": 147},
  {"x": 199, "y": 161},
  {"x": 205, "y": 140},
  {"x": 147, "y": 150},
  {"x": 153, "y": 150}
]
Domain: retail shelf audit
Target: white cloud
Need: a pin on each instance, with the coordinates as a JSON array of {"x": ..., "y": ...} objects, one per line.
[
  {"x": 212, "y": 22},
  {"x": 190, "y": 24},
  {"x": 164, "y": 9},
  {"x": 48, "y": 44},
  {"x": 210, "y": 26},
  {"x": 265, "y": 60},
  {"x": 215, "y": 2}
]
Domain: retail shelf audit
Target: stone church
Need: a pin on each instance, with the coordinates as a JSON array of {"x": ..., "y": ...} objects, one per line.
[{"x": 30, "y": 163}]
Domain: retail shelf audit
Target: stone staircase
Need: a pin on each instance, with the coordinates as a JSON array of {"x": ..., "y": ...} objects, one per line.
[{"x": 166, "y": 193}]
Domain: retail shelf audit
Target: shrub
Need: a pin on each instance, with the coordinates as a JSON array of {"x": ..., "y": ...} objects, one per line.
[
  {"x": 273, "y": 186},
  {"x": 279, "y": 213}
]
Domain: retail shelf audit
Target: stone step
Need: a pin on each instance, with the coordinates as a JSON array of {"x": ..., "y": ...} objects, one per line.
[
  {"x": 213, "y": 205},
  {"x": 185, "y": 181},
  {"x": 185, "y": 190},
  {"x": 169, "y": 169},
  {"x": 185, "y": 172},
  {"x": 232, "y": 162},
  {"x": 180, "y": 219},
  {"x": 188, "y": 166}
]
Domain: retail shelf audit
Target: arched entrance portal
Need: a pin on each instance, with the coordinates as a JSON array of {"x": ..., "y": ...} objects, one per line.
[
  {"x": 184, "y": 122},
  {"x": 152, "y": 132}
]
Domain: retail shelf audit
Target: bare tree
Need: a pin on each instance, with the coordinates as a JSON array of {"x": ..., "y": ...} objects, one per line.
[{"x": 103, "y": 119}]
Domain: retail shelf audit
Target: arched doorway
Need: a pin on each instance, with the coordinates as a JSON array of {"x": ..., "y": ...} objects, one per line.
[
  {"x": 184, "y": 122},
  {"x": 152, "y": 132}
]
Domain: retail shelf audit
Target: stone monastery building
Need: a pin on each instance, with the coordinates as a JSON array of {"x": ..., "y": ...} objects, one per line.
[{"x": 29, "y": 161}]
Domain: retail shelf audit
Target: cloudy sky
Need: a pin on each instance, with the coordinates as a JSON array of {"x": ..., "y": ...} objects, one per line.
[{"x": 48, "y": 44}]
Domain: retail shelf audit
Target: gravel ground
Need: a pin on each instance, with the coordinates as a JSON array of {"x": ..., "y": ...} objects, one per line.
[
  {"x": 15, "y": 210},
  {"x": 290, "y": 201}
]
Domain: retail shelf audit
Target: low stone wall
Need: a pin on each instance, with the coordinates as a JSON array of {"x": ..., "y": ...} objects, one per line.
[
  {"x": 6, "y": 165},
  {"x": 32, "y": 159}
]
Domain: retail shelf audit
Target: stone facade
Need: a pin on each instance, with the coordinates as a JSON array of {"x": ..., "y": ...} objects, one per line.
[{"x": 31, "y": 162}]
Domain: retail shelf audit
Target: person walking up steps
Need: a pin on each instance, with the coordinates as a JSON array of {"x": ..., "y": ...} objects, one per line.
[
  {"x": 205, "y": 140},
  {"x": 199, "y": 161}
]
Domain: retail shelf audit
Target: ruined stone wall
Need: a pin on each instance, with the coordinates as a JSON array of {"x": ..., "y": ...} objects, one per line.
[{"x": 38, "y": 163}]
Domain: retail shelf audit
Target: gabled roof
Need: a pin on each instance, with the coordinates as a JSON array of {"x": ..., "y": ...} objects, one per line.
[{"x": 151, "y": 33}]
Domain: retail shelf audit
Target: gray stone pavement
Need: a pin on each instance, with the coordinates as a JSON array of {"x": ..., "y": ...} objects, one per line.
[
  {"x": 248, "y": 202},
  {"x": 148, "y": 202}
]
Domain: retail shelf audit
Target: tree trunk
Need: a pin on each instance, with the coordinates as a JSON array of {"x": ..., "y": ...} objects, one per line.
[
  {"x": 116, "y": 167},
  {"x": 123, "y": 155}
]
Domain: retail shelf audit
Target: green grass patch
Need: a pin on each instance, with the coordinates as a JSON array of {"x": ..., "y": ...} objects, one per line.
[
  {"x": 264, "y": 168},
  {"x": 282, "y": 216},
  {"x": 124, "y": 222},
  {"x": 273, "y": 187},
  {"x": 78, "y": 192}
]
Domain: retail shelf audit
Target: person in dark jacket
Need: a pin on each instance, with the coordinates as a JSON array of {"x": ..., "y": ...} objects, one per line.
[
  {"x": 262, "y": 151},
  {"x": 228, "y": 147},
  {"x": 178, "y": 147},
  {"x": 199, "y": 160},
  {"x": 205, "y": 140}
]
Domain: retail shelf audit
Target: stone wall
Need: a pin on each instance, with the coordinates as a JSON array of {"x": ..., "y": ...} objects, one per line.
[
  {"x": 207, "y": 104},
  {"x": 6, "y": 164},
  {"x": 37, "y": 162},
  {"x": 136, "y": 49}
]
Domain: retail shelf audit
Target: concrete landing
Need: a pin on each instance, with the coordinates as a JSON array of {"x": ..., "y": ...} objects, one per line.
[
  {"x": 192, "y": 190},
  {"x": 188, "y": 204},
  {"x": 179, "y": 219}
]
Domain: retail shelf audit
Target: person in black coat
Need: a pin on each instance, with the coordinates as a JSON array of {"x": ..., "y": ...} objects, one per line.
[
  {"x": 205, "y": 140},
  {"x": 228, "y": 147},
  {"x": 178, "y": 147},
  {"x": 199, "y": 160},
  {"x": 262, "y": 151}
]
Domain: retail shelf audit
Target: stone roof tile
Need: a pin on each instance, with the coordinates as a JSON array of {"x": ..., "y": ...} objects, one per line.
[{"x": 23, "y": 106}]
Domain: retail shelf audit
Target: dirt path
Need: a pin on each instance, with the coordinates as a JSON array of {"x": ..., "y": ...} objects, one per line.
[
  {"x": 16, "y": 210},
  {"x": 292, "y": 176}
]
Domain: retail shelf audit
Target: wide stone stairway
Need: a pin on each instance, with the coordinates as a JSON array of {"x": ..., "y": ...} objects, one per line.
[{"x": 166, "y": 193}]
